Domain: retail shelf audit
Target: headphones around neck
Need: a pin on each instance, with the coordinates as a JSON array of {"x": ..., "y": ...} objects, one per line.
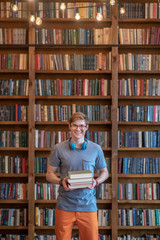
[{"x": 72, "y": 144}]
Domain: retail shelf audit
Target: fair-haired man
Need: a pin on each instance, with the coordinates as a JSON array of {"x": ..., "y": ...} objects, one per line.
[{"x": 77, "y": 205}]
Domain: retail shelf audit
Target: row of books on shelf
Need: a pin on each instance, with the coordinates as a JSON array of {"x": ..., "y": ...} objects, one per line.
[
  {"x": 101, "y": 61},
  {"x": 136, "y": 113},
  {"x": 48, "y": 139},
  {"x": 13, "y": 237},
  {"x": 86, "y": 10},
  {"x": 16, "y": 164},
  {"x": 139, "y": 87},
  {"x": 13, "y": 191},
  {"x": 12, "y": 36},
  {"x": 14, "y": 113},
  {"x": 150, "y": 35},
  {"x": 5, "y": 10},
  {"x": 13, "y": 217},
  {"x": 81, "y": 87},
  {"x": 139, "y": 62},
  {"x": 46, "y": 217},
  {"x": 46, "y": 191},
  {"x": 49, "y": 191},
  {"x": 41, "y": 165},
  {"x": 13, "y": 139},
  {"x": 147, "y": 139},
  {"x": 140, "y": 10},
  {"x": 16, "y": 87},
  {"x": 19, "y": 165},
  {"x": 76, "y": 36},
  {"x": 139, "y": 191},
  {"x": 145, "y": 237},
  {"x": 81, "y": 36},
  {"x": 139, "y": 217},
  {"x": 104, "y": 191},
  {"x": 132, "y": 165},
  {"x": 53, "y": 237},
  {"x": 74, "y": 61},
  {"x": 45, "y": 113},
  {"x": 72, "y": 87},
  {"x": 13, "y": 61}
]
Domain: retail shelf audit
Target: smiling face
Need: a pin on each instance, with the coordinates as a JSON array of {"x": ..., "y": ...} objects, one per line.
[{"x": 78, "y": 129}]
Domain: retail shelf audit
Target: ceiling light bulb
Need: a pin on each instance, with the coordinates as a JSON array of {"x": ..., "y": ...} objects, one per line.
[
  {"x": 122, "y": 10},
  {"x": 38, "y": 21},
  {"x": 15, "y": 7},
  {"x": 32, "y": 18},
  {"x": 77, "y": 16},
  {"x": 99, "y": 16},
  {"x": 112, "y": 2},
  {"x": 62, "y": 6}
]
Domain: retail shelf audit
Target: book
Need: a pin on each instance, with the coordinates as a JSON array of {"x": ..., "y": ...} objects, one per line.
[
  {"x": 75, "y": 186},
  {"x": 77, "y": 180},
  {"x": 79, "y": 174}
]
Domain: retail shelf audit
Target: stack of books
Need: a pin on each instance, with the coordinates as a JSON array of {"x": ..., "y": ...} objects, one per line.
[{"x": 79, "y": 179}]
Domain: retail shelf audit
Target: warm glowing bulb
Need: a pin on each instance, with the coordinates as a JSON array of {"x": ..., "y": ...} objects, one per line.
[
  {"x": 99, "y": 16},
  {"x": 77, "y": 16},
  {"x": 62, "y": 6},
  {"x": 32, "y": 18},
  {"x": 122, "y": 10},
  {"x": 38, "y": 21},
  {"x": 112, "y": 2},
  {"x": 15, "y": 8}
]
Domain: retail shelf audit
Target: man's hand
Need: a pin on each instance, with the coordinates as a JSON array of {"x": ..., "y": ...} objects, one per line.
[
  {"x": 65, "y": 184},
  {"x": 94, "y": 183}
]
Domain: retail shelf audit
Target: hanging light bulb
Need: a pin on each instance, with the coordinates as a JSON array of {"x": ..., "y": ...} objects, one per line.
[
  {"x": 32, "y": 17},
  {"x": 112, "y": 2},
  {"x": 15, "y": 6},
  {"x": 99, "y": 16},
  {"x": 38, "y": 19},
  {"x": 122, "y": 10},
  {"x": 77, "y": 16},
  {"x": 63, "y": 6}
]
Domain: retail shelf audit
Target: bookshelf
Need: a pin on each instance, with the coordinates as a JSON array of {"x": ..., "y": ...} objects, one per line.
[{"x": 61, "y": 70}]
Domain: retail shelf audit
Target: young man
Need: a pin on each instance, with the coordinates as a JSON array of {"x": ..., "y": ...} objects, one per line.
[{"x": 77, "y": 205}]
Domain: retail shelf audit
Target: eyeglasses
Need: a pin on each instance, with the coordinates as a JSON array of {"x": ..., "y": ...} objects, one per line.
[{"x": 75, "y": 126}]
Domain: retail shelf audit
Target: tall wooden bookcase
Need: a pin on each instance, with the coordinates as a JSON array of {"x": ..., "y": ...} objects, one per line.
[{"x": 114, "y": 100}]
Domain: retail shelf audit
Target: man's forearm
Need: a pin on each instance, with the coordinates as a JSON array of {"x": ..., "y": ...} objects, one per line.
[
  {"x": 102, "y": 176},
  {"x": 51, "y": 177}
]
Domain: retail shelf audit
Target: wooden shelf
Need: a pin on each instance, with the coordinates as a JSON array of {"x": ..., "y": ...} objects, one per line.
[
  {"x": 113, "y": 101},
  {"x": 139, "y": 227},
  {"x": 17, "y": 202},
  {"x": 17, "y": 149},
  {"x": 141, "y": 176},
  {"x": 13, "y": 175},
  {"x": 73, "y": 97},
  {"x": 138, "y": 202},
  {"x": 66, "y": 72},
  {"x": 138, "y": 149}
]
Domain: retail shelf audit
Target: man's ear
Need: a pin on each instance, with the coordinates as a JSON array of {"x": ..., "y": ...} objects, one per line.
[{"x": 87, "y": 127}]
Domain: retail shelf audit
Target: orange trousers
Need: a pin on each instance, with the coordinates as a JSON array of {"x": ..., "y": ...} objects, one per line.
[{"x": 86, "y": 222}]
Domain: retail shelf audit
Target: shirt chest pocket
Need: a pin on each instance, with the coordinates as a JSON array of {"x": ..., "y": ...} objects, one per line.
[{"x": 87, "y": 165}]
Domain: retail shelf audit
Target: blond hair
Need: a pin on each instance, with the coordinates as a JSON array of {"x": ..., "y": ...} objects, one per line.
[{"x": 78, "y": 116}]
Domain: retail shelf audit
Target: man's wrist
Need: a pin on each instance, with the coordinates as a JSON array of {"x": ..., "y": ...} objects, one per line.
[
  {"x": 97, "y": 183},
  {"x": 60, "y": 182}
]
